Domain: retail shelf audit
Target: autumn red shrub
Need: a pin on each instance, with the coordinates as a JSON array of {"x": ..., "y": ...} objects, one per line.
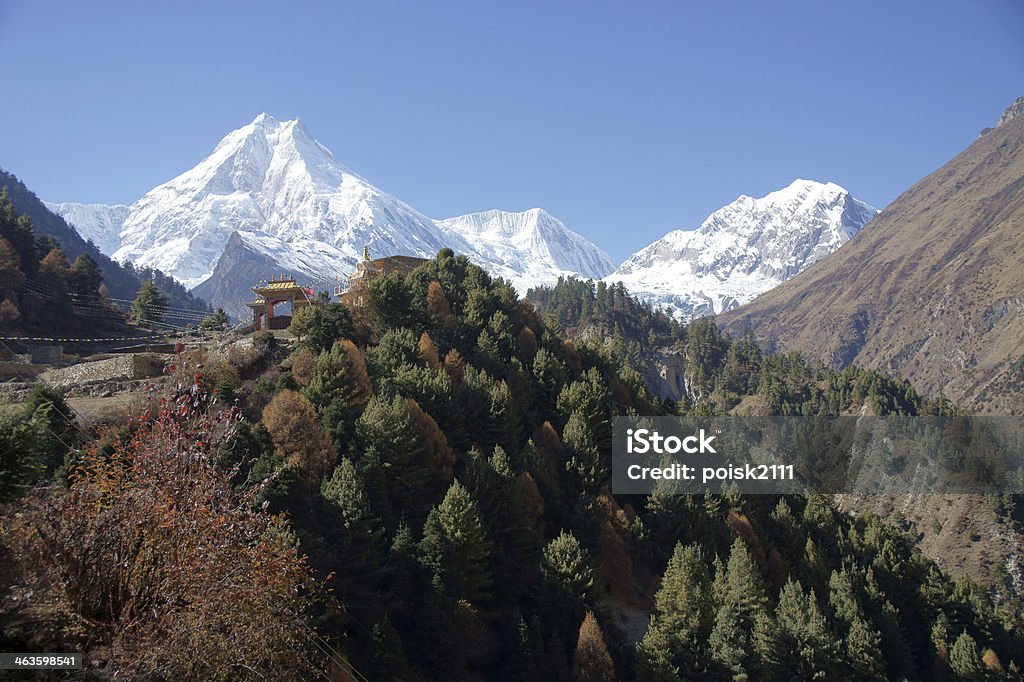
[{"x": 153, "y": 564}]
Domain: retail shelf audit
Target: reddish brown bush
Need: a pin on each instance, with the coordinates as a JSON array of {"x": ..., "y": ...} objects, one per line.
[
  {"x": 297, "y": 434},
  {"x": 302, "y": 366},
  {"x": 455, "y": 365},
  {"x": 151, "y": 561},
  {"x": 429, "y": 351},
  {"x": 440, "y": 457}
]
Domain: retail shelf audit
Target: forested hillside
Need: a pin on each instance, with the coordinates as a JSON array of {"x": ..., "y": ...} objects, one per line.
[
  {"x": 42, "y": 292},
  {"x": 121, "y": 281},
  {"x": 418, "y": 490}
]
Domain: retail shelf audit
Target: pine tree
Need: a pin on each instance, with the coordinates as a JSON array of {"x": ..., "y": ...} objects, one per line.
[
  {"x": 388, "y": 428},
  {"x": 730, "y": 643},
  {"x": 590, "y": 397},
  {"x": 428, "y": 351},
  {"x": 456, "y": 548},
  {"x": 569, "y": 582},
  {"x": 339, "y": 388},
  {"x": 438, "y": 309},
  {"x": 592, "y": 662},
  {"x": 454, "y": 365},
  {"x": 586, "y": 466},
  {"x": 86, "y": 278},
  {"x": 389, "y": 661},
  {"x": 362, "y": 542},
  {"x": 741, "y": 597},
  {"x": 149, "y": 305},
  {"x": 676, "y": 639},
  {"x": 965, "y": 659},
  {"x": 863, "y": 649},
  {"x": 804, "y": 632}
]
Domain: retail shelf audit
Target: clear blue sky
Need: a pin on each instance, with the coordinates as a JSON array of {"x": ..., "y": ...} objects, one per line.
[{"x": 625, "y": 119}]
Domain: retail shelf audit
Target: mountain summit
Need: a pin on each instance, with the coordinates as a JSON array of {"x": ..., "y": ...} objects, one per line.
[
  {"x": 744, "y": 249},
  {"x": 932, "y": 290},
  {"x": 295, "y": 208}
]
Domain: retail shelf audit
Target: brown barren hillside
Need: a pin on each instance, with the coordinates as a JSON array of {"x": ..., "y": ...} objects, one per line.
[{"x": 932, "y": 289}]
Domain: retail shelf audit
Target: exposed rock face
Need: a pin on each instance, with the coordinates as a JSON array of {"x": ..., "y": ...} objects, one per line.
[{"x": 1012, "y": 112}]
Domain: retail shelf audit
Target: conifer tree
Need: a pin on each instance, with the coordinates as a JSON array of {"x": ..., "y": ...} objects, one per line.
[
  {"x": 389, "y": 661},
  {"x": 863, "y": 649},
  {"x": 804, "y": 632},
  {"x": 439, "y": 455},
  {"x": 965, "y": 659},
  {"x": 676, "y": 639},
  {"x": 438, "y": 309},
  {"x": 592, "y": 662},
  {"x": 586, "y": 466},
  {"x": 590, "y": 397},
  {"x": 456, "y": 548},
  {"x": 742, "y": 597},
  {"x": 362, "y": 542},
  {"x": 428, "y": 351},
  {"x": 149, "y": 305},
  {"x": 339, "y": 388},
  {"x": 388, "y": 428},
  {"x": 86, "y": 278},
  {"x": 454, "y": 365}
]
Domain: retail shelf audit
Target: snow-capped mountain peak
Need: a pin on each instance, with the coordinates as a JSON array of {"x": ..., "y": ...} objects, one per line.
[
  {"x": 530, "y": 242},
  {"x": 744, "y": 248},
  {"x": 290, "y": 202}
]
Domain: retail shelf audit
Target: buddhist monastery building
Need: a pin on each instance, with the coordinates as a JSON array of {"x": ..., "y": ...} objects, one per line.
[{"x": 354, "y": 293}]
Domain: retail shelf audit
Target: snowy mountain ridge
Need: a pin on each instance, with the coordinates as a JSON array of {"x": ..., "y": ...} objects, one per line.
[
  {"x": 271, "y": 199},
  {"x": 744, "y": 249},
  {"x": 291, "y": 201}
]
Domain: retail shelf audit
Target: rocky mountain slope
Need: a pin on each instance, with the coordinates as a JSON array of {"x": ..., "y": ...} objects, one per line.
[
  {"x": 298, "y": 210},
  {"x": 932, "y": 290},
  {"x": 744, "y": 249}
]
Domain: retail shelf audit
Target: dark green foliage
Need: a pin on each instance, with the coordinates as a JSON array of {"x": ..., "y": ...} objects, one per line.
[
  {"x": 569, "y": 581},
  {"x": 393, "y": 459},
  {"x": 455, "y": 547},
  {"x": 218, "y": 320},
  {"x": 392, "y": 302},
  {"x": 490, "y": 576},
  {"x": 338, "y": 390},
  {"x": 676, "y": 641},
  {"x": 149, "y": 306},
  {"x": 360, "y": 540},
  {"x": 244, "y": 448},
  {"x": 324, "y": 325},
  {"x": 965, "y": 659},
  {"x": 35, "y": 438},
  {"x": 86, "y": 278}
]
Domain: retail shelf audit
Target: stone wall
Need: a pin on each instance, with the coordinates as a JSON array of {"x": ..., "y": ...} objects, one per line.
[{"x": 123, "y": 367}]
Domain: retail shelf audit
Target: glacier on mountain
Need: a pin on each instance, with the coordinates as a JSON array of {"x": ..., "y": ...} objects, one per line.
[
  {"x": 292, "y": 202},
  {"x": 98, "y": 223},
  {"x": 743, "y": 249},
  {"x": 270, "y": 199}
]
